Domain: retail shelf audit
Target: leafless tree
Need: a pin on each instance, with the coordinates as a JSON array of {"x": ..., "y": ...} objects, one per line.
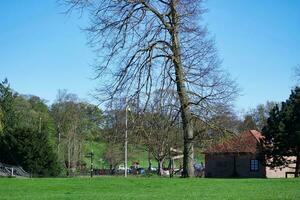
[
  {"x": 157, "y": 129},
  {"x": 148, "y": 45},
  {"x": 113, "y": 155},
  {"x": 221, "y": 125}
]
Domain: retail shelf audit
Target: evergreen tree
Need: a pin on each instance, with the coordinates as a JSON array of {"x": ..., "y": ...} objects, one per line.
[
  {"x": 282, "y": 132},
  {"x": 8, "y": 122},
  {"x": 6, "y": 105},
  {"x": 1, "y": 121},
  {"x": 32, "y": 150}
]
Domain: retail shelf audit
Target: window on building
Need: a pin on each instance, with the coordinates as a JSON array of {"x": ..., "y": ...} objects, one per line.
[{"x": 254, "y": 165}]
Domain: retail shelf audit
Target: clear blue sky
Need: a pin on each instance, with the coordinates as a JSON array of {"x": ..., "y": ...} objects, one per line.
[{"x": 42, "y": 50}]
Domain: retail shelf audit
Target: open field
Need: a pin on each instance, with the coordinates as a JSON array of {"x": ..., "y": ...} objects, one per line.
[{"x": 148, "y": 188}]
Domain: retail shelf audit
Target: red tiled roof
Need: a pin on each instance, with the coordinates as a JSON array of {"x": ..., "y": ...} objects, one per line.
[
  {"x": 246, "y": 142},
  {"x": 258, "y": 136}
]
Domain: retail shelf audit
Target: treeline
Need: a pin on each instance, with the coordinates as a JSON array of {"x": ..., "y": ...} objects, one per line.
[
  {"x": 45, "y": 141},
  {"x": 158, "y": 129},
  {"x": 27, "y": 134},
  {"x": 51, "y": 140}
]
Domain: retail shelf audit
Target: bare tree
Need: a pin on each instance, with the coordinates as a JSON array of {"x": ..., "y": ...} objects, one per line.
[
  {"x": 158, "y": 131},
  {"x": 148, "y": 45},
  {"x": 113, "y": 155},
  {"x": 222, "y": 124}
]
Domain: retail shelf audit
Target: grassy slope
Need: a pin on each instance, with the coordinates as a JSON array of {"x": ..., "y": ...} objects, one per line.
[
  {"x": 98, "y": 149},
  {"x": 135, "y": 153},
  {"x": 149, "y": 188}
]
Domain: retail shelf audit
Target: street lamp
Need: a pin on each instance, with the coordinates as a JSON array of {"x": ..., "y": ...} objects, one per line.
[{"x": 126, "y": 137}]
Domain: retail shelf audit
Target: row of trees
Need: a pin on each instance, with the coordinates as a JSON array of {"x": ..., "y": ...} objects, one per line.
[
  {"x": 159, "y": 129},
  {"x": 45, "y": 140},
  {"x": 27, "y": 133}
]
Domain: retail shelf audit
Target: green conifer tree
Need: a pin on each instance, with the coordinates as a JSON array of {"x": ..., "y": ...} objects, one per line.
[{"x": 282, "y": 133}]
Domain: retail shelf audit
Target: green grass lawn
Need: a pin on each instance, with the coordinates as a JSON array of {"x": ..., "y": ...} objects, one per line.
[{"x": 148, "y": 188}]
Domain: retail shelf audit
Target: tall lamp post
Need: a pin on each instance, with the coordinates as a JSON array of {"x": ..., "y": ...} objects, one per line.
[{"x": 126, "y": 136}]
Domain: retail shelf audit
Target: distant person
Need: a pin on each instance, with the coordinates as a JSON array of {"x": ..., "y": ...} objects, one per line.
[{"x": 198, "y": 169}]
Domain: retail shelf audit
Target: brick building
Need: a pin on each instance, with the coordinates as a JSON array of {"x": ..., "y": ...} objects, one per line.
[{"x": 240, "y": 157}]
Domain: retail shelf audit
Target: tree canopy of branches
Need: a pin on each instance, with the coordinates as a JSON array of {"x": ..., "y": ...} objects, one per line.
[
  {"x": 113, "y": 135},
  {"x": 260, "y": 114},
  {"x": 158, "y": 131},
  {"x": 157, "y": 45},
  {"x": 76, "y": 122},
  {"x": 282, "y": 132},
  {"x": 247, "y": 124}
]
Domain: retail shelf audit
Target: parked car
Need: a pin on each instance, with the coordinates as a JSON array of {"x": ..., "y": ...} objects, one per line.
[
  {"x": 153, "y": 169},
  {"x": 121, "y": 167}
]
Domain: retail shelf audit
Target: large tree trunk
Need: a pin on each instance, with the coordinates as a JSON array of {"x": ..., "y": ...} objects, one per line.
[
  {"x": 149, "y": 161},
  {"x": 297, "y": 166},
  {"x": 188, "y": 151}
]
